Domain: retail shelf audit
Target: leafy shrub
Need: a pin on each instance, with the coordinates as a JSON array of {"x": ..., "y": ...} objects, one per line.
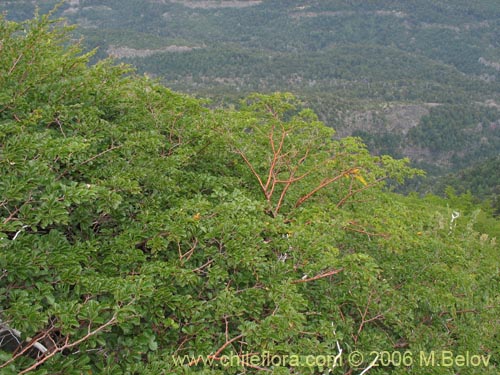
[{"x": 138, "y": 227}]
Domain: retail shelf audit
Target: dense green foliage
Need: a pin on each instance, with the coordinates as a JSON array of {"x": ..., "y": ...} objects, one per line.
[{"x": 136, "y": 224}]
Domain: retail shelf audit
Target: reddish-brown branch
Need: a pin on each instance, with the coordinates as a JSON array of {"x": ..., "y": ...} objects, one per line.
[
  {"x": 277, "y": 155},
  {"x": 272, "y": 112},
  {"x": 290, "y": 180},
  {"x": 363, "y": 315},
  {"x": 287, "y": 184},
  {"x": 17, "y": 209},
  {"x": 45, "y": 358},
  {"x": 58, "y": 122},
  {"x": 226, "y": 323},
  {"x": 25, "y": 349},
  {"x": 254, "y": 172},
  {"x": 311, "y": 170},
  {"x": 11, "y": 216},
  {"x": 183, "y": 342},
  {"x": 273, "y": 161},
  {"x": 282, "y": 166},
  {"x": 342, "y": 316},
  {"x": 215, "y": 356},
  {"x": 100, "y": 154},
  {"x": 322, "y": 185}
]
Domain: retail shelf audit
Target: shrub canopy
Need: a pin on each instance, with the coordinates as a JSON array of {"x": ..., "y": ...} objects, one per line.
[{"x": 139, "y": 229}]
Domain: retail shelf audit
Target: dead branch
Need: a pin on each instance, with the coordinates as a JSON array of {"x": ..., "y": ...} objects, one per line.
[{"x": 320, "y": 276}]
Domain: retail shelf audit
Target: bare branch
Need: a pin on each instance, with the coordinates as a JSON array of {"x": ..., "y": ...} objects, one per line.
[
  {"x": 16, "y": 61},
  {"x": 320, "y": 276}
]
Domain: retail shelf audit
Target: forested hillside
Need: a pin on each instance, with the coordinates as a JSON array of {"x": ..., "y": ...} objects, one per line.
[
  {"x": 348, "y": 60},
  {"x": 144, "y": 232}
]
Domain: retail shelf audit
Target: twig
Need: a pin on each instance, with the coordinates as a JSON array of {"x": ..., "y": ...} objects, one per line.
[
  {"x": 215, "y": 356},
  {"x": 11, "y": 216},
  {"x": 466, "y": 311},
  {"x": 89, "y": 160},
  {"x": 320, "y": 276},
  {"x": 15, "y": 64},
  {"x": 254, "y": 172},
  {"x": 190, "y": 252},
  {"x": 23, "y": 350},
  {"x": 200, "y": 268},
  {"x": 68, "y": 345},
  {"x": 58, "y": 122},
  {"x": 55, "y": 349},
  {"x": 322, "y": 185},
  {"x": 100, "y": 154},
  {"x": 363, "y": 317}
]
